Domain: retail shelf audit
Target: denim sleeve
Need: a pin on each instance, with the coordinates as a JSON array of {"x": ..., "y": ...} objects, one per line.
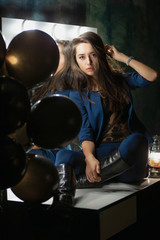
[
  {"x": 136, "y": 80},
  {"x": 86, "y": 131}
]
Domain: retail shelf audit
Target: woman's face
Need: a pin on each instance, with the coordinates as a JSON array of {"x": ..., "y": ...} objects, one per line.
[
  {"x": 87, "y": 59},
  {"x": 61, "y": 59}
]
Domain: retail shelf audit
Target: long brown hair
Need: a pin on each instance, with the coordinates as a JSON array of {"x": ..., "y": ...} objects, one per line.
[
  {"x": 111, "y": 83},
  {"x": 61, "y": 80}
]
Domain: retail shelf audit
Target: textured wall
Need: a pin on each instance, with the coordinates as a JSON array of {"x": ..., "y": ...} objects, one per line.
[{"x": 131, "y": 25}]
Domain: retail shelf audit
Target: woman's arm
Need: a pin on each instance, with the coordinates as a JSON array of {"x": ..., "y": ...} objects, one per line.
[
  {"x": 86, "y": 138},
  {"x": 145, "y": 71},
  {"x": 92, "y": 164},
  {"x": 86, "y": 131}
]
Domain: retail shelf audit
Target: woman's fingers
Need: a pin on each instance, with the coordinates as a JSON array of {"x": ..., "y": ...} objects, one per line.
[
  {"x": 108, "y": 49},
  {"x": 93, "y": 177}
]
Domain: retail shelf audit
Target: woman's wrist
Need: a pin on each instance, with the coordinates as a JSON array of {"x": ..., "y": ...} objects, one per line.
[
  {"x": 125, "y": 59},
  {"x": 129, "y": 59},
  {"x": 89, "y": 157},
  {"x": 122, "y": 57}
]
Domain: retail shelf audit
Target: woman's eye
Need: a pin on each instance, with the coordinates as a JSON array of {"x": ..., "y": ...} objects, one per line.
[
  {"x": 81, "y": 57},
  {"x": 93, "y": 55}
]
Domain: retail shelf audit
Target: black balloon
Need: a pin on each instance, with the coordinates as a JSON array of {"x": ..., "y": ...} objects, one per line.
[
  {"x": 39, "y": 182},
  {"x": 54, "y": 122},
  {"x": 2, "y": 49},
  {"x": 32, "y": 56},
  {"x": 12, "y": 163},
  {"x": 14, "y": 105}
]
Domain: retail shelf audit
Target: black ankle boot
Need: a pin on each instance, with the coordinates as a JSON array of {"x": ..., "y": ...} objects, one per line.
[
  {"x": 111, "y": 166},
  {"x": 66, "y": 190}
]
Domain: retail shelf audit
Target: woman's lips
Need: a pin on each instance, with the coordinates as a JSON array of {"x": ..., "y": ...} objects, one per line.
[{"x": 89, "y": 69}]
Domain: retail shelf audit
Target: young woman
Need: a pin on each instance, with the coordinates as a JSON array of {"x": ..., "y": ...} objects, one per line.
[{"x": 114, "y": 141}]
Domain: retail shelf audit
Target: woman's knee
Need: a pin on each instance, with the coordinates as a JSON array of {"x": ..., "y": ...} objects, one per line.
[
  {"x": 134, "y": 148},
  {"x": 63, "y": 156},
  {"x": 134, "y": 140},
  {"x": 69, "y": 157}
]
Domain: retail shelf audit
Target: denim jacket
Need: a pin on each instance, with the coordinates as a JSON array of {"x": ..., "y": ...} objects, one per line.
[{"x": 92, "y": 113}]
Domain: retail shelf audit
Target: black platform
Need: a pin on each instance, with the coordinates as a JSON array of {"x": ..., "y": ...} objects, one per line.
[{"x": 115, "y": 211}]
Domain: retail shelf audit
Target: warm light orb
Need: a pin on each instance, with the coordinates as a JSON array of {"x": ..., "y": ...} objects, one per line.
[
  {"x": 12, "y": 59},
  {"x": 154, "y": 159}
]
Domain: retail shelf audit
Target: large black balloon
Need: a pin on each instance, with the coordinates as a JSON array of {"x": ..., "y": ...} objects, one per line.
[
  {"x": 54, "y": 121},
  {"x": 2, "y": 49},
  {"x": 14, "y": 105},
  {"x": 12, "y": 163},
  {"x": 32, "y": 56},
  {"x": 39, "y": 182}
]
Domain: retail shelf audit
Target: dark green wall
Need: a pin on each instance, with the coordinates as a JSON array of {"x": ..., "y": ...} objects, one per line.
[{"x": 133, "y": 26}]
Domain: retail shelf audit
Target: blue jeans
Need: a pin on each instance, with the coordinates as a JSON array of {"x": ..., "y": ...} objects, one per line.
[
  {"x": 133, "y": 150},
  {"x": 49, "y": 154}
]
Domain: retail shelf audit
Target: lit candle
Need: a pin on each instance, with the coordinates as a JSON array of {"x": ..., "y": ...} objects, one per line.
[{"x": 154, "y": 159}]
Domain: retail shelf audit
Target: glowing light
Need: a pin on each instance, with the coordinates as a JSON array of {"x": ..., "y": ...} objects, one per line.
[
  {"x": 86, "y": 29},
  {"x": 12, "y": 59},
  {"x": 60, "y": 32},
  {"x": 11, "y": 27},
  {"x": 28, "y": 25},
  {"x": 154, "y": 159}
]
